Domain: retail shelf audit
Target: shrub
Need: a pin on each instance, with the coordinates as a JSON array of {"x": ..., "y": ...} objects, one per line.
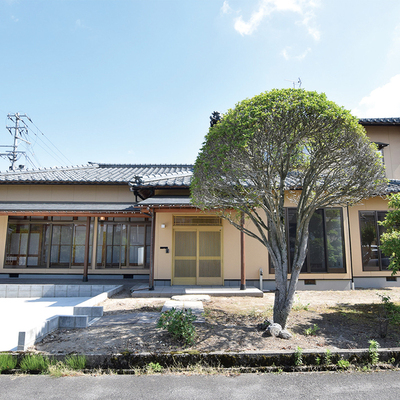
[
  {"x": 179, "y": 324},
  {"x": 75, "y": 362},
  {"x": 7, "y": 362},
  {"x": 34, "y": 362}
]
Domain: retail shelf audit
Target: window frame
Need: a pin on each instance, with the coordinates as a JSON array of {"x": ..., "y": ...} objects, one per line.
[
  {"x": 375, "y": 213},
  {"x": 306, "y": 268}
]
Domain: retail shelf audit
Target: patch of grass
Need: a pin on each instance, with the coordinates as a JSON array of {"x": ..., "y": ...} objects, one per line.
[
  {"x": 34, "y": 362},
  {"x": 59, "y": 369},
  {"x": 7, "y": 362},
  {"x": 311, "y": 331},
  {"x": 179, "y": 324},
  {"x": 75, "y": 362}
]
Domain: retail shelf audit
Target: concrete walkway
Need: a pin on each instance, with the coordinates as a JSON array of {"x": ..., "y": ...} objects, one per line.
[
  {"x": 141, "y": 290},
  {"x": 22, "y": 314}
]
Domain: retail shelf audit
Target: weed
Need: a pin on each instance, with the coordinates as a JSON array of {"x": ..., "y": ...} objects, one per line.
[
  {"x": 343, "y": 364},
  {"x": 328, "y": 357},
  {"x": 179, "y": 324},
  {"x": 298, "y": 306},
  {"x": 153, "y": 368},
  {"x": 298, "y": 356},
  {"x": 373, "y": 351},
  {"x": 318, "y": 361},
  {"x": 7, "y": 362},
  {"x": 59, "y": 369},
  {"x": 311, "y": 331},
  {"x": 75, "y": 362},
  {"x": 34, "y": 362}
]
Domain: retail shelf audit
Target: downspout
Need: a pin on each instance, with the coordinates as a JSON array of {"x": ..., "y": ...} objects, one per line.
[
  {"x": 153, "y": 246},
  {"x": 351, "y": 252},
  {"x": 242, "y": 256}
]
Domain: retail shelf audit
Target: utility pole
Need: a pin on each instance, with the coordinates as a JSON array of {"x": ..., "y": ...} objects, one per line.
[{"x": 20, "y": 128}]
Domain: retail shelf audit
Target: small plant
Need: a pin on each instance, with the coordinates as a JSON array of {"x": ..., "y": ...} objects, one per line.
[
  {"x": 154, "y": 367},
  {"x": 7, "y": 362},
  {"x": 34, "y": 362},
  {"x": 311, "y": 331},
  {"x": 373, "y": 351},
  {"x": 343, "y": 364},
  {"x": 75, "y": 362},
  {"x": 328, "y": 357},
  {"x": 318, "y": 361},
  {"x": 298, "y": 356},
  {"x": 179, "y": 324},
  {"x": 298, "y": 306}
]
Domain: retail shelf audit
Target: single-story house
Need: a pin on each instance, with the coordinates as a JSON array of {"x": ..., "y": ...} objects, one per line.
[{"x": 137, "y": 221}]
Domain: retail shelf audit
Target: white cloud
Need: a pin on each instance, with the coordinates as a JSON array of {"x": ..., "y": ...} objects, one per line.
[
  {"x": 226, "y": 8},
  {"x": 268, "y": 7},
  {"x": 285, "y": 54},
  {"x": 383, "y": 102},
  {"x": 15, "y": 19}
]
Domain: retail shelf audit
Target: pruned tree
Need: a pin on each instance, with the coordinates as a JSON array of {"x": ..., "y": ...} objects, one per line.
[
  {"x": 282, "y": 144},
  {"x": 390, "y": 240}
]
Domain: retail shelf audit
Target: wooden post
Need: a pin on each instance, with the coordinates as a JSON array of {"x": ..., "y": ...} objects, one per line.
[
  {"x": 152, "y": 250},
  {"x": 86, "y": 259},
  {"x": 242, "y": 257}
]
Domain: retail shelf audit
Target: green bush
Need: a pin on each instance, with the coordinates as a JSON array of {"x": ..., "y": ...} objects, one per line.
[
  {"x": 373, "y": 351},
  {"x": 34, "y": 362},
  {"x": 179, "y": 324},
  {"x": 7, "y": 362},
  {"x": 75, "y": 362}
]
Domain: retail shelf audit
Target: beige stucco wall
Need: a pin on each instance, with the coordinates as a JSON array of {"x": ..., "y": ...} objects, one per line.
[
  {"x": 79, "y": 193},
  {"x": 391, "y": 153}
]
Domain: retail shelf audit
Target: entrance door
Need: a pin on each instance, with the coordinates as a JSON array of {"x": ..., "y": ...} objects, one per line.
[{"x": 197, "y": 256}]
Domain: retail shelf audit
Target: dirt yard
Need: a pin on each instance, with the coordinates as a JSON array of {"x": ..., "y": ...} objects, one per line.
[{"x": 344, "y": 320}]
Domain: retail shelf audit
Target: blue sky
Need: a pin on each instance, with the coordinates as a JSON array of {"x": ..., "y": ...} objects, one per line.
[{"x": 135, "y": 81}]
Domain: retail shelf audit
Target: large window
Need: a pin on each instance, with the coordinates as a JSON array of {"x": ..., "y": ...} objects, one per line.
[
  {"x": 123, "y": 244},
  {"x": 325, "y": 242},
  {"x": 372, "y": 257},
  {"x": 30, "y": 241}
]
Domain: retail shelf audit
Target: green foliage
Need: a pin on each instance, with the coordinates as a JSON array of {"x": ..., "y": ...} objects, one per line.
[
  {"x": 281, "y": 136},
  {"x": 343, "y": 364},
  {"x": 154, "y": 367},
  {"x": 390, "y": 240},
  {"x": 312, "y": 331},
  {"x": 179, "y": 324},
  {"x": 373, "y": 351},
  {"x": 391, "y": 310},
  {"x": 328, "y": 357},
  {"x": 299, "y": 306},
  {"x": 75, "y": 362},
  {"x": 34, "y": 362},
  {"x": 7, "y": 362},
  {"x": 298, "y": 356}
]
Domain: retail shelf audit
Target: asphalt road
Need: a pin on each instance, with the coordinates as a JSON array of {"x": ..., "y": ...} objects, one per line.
[{"x": 332, "y": 386}]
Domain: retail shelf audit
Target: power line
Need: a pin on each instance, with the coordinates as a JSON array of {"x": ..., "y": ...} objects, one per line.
[{"x": 20, "y": 132}]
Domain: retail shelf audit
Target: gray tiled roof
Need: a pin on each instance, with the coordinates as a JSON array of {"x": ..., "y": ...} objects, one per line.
[
  {"x": 165, "y": 174},
  {"x": 394, "y": 186},
  {"x": 379, "y": 121},
  {"x": 166, "y": 201}
]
